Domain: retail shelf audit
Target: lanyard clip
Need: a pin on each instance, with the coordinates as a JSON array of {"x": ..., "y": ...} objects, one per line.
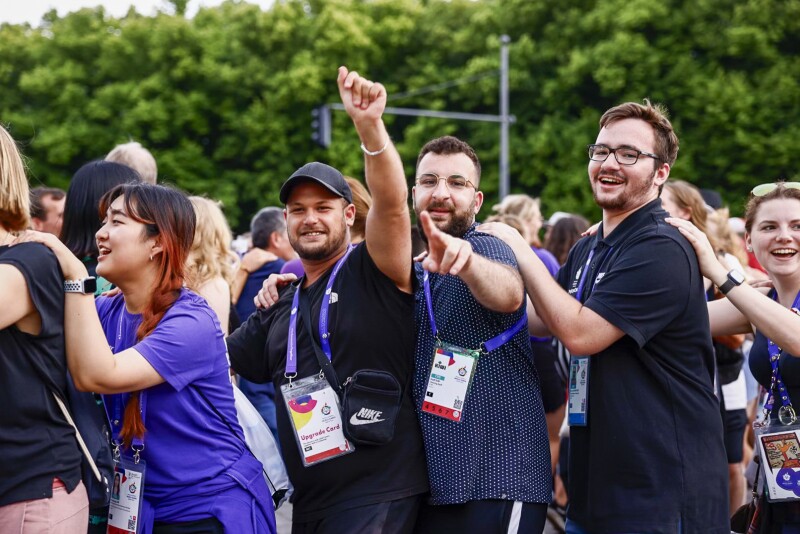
[
  {"x": 787, "y": 415},
  {"x": 290, "y": 376}
]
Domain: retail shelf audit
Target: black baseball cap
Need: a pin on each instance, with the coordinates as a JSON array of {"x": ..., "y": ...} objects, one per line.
[{"x": 324, "y": 175}]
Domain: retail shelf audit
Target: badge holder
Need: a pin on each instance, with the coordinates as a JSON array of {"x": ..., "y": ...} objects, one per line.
[
  {"x": 778, "y": 440},
  {"x": 316, "y": 418},
  {"x": 449, "y": 381},
  {"x": 578, "y": 409},
  {"x": 779, "y": 448},
  {"x": 125, "y": 507}
]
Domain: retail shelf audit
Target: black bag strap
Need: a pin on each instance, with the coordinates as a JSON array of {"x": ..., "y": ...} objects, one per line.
[{"x": 324, "y": 363}]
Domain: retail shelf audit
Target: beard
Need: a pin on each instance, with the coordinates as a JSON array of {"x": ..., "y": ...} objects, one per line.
[
  {"x": 634, "y": 194},
  {"x": 336, "y": 239},
  {"x": 456, "y": 226}
]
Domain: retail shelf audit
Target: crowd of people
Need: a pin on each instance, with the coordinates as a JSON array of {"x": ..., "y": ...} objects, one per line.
[{"x": 456, "y": 376}]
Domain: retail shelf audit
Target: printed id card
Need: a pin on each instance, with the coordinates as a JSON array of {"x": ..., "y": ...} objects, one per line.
[
  {"x": 316, "y": 418},
  {"x": 578, "y": 391},
  {"x": 779, "y": 447},
  {"x": 449, "y": 381},
  {"x": 125, "y": 508}
]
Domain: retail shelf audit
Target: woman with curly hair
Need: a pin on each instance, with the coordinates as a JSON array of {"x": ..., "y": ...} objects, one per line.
[{"x": 211, "y": 262}]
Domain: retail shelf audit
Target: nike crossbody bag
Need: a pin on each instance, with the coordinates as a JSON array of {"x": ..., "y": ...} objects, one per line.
[
  {"x": 370, "y": 404},
  {"x": 370, "y": 398}
]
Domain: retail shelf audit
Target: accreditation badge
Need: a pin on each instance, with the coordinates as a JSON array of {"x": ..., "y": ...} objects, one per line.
[
  {"x": 779, "y": 448},
  {"x": 578, "y": 391},
  {"x": 449, "y": 381},
  {"x": 125, "y": 507},
  {"x": 316, "y": 417}
]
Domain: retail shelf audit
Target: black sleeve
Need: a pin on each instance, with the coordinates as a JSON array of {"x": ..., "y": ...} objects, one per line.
[
  {"x": 42, "y": 273},
  {"x": 642, "y": 293},
  {"x": 246, "y": 347}
]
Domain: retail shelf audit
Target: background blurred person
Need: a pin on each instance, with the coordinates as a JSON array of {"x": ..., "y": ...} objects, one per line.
[
  {"x": 138, "y": 158},
  {"x": 210, "y": 265},
  {"x": 157, "y": 353},
  {"x": 40, "y": 471},
  {"x": 270, "y": 250},
  {"x": 683, "y": 200},
  {"x": 563, "y": 234},
  {"x": 363, "y": 202},
  {"x": 527, "y": 208},
  {"x": 47, "y": 209},
  {"x": 81, "y": 219}
]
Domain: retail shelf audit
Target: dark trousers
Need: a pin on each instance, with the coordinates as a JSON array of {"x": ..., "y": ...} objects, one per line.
[
  {"x": 392, "y": 517},
  {"x": 486, "y": 517}
]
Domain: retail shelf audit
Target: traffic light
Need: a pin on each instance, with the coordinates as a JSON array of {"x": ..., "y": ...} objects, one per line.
[{"x": 321, "y": 125}]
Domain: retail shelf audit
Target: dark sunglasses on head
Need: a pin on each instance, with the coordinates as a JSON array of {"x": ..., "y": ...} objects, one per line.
[{"x": 765, "y": 189}]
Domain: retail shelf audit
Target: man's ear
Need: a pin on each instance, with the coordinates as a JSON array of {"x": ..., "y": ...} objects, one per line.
[
  {"x": 37, "y": 224},
  {"x": 478, "y": 201},
  {"x": 350, "y": 214}
]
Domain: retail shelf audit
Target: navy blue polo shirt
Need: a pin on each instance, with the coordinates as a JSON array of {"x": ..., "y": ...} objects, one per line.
[
  {"x": 499, "y": 450},
  {"x": 651, "y": 458}
]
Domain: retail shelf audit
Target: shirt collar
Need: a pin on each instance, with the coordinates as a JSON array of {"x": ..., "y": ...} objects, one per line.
[{"x": 631, "y": 223}]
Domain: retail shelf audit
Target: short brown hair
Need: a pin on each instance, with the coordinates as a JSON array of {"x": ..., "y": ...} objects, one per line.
[
  {"x": 38, "y": 194},
  {"x": 751, "y": 210},
  {"x": 666, "y": 147},
  {"x": 447, "y": 145},
  {"x": 14, "y": 194}
]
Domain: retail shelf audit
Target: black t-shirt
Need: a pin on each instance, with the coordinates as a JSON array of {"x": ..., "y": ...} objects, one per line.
[
  {"x": 652, "y": 457},
  {"x": 372, "y": 327},
  {"x": 789, "y": 367},
  {"x": 36, "y": 442}
]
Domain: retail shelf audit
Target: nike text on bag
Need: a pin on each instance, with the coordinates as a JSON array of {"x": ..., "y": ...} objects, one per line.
[{"x": 370, "y": 404}]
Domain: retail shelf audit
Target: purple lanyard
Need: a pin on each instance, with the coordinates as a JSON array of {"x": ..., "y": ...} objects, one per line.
[
  {"x": 486, "y": 346},
  {"x": 585, "y": 271},
  {"x": 786, "y": 413},
  {"x": 118, "y": 401},
  {"x": 324, "y": 335},
  {"x": 121, "y": 399}
]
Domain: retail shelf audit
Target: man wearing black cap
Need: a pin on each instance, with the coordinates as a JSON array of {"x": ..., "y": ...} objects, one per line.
[{"x": 355, "y": 308}]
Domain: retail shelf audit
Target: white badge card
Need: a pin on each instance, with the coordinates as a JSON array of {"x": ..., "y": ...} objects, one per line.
[
  {"x": 125, "y": 508},
  {"x": 316, "y": 418},
  {"x": 448, "y": 381},
  {"x": 578, "y": 391},
  {"x": 780, "y": 459}
]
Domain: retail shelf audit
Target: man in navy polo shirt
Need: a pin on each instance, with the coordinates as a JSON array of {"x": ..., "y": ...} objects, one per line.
[
  {"x": 646, "y": 448},
  {"x": 476, "y": 389}
]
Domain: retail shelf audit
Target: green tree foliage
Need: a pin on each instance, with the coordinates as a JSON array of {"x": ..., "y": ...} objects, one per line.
[{"x": 224, "y": 99}]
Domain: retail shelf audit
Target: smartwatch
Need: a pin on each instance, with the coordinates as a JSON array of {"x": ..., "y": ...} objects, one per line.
[
  {"x": 735, "y": 278},
  {"x": 86, "y": 286}
]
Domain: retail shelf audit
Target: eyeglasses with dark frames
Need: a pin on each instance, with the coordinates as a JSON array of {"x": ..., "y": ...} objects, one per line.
[
  {"x": 454, "y": 182},
  {"x": 624, "y": 155}
]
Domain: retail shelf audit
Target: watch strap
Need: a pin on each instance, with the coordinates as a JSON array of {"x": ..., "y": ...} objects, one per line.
[
  {"x": 78, "y": 286},
  {"x": 729, "y": 284}
]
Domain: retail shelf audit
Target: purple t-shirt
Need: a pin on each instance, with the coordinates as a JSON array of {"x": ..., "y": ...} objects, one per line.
[
  {"x": 548, "y": 259},
  {"x": 189, "y": 451}
]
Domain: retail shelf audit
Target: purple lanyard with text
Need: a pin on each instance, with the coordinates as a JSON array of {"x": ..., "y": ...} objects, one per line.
[
  {"x": 582, "y": 281},
  {"x": 486, "y": 346},
  {"x": 786, "y": 413},
  {"x": 119, "y": 400},
  {"x": 291, "y": 345}
]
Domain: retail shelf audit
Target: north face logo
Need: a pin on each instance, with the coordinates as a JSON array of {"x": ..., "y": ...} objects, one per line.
[{"x": 366, "y": 416}]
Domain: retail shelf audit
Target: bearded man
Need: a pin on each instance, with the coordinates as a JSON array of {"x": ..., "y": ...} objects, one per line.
[{"x": 476, "y": 388}]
